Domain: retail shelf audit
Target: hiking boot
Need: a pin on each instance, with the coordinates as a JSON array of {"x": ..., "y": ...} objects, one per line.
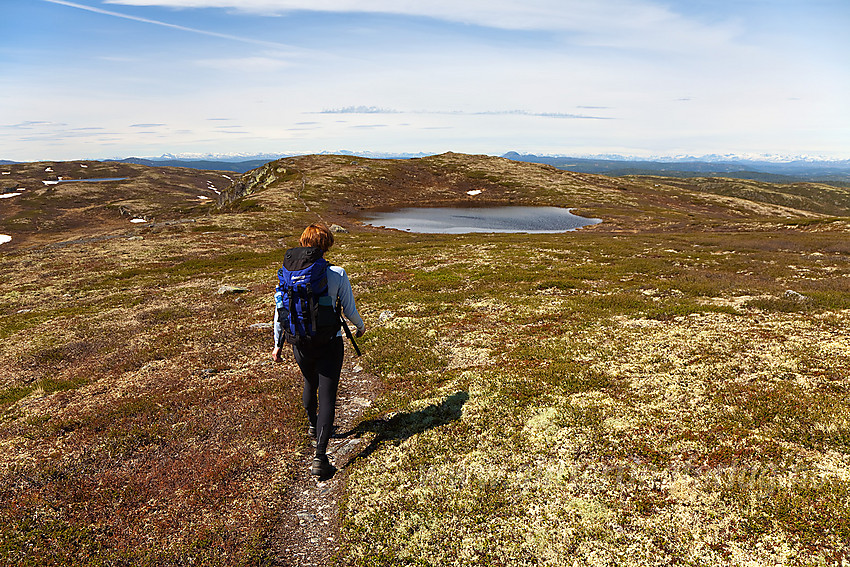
[{"x": 322, "y": 467}]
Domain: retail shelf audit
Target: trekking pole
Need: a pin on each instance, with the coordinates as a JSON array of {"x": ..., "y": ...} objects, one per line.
[{"x": 350, "y": 336}]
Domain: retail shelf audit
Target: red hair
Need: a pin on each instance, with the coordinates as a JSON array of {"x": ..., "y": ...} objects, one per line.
[{"x": 317, "y": 235}]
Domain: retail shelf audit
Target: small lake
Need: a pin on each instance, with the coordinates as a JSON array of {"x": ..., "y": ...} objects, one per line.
[
  {"x": 461, "y": 220},
  {"x": 92, "y": 180}
]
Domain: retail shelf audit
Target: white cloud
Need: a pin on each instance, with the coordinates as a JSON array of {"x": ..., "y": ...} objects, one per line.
[
  {"x": 30, "y": 125},
  {"x": 379, "y": 110},
  {"x": 506, "y": 14},
  {"x": 614, "y": 23},
  {"x": 530, "y": 77},
  {"x": 361, "y": 109}
]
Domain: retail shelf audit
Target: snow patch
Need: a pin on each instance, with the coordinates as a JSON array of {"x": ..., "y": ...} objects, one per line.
[
  {"x": 83, "y": 165},
  {"x": 48, "y": 170},
  {"x": 474, "y": 192},
  {"x": 6, "y": 172},
  {"x": 227, "y": 177},
  {"x": 50, "y": 182},
  {"x": 138, "y": 220},
  {"x": 203, "y": 198},
  {"x": 4, "y": 238},
  {"x": 8, "y": 195}
]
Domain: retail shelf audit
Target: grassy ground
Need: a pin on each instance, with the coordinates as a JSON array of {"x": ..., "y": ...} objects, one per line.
[
  {"x": 140, "y": 422},
  {"x": 670, "y": 386},
  {"x": 630, "y": 400}
]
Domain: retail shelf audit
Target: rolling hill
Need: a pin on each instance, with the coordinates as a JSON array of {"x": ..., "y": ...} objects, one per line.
[{"x": 669, "y": 386}]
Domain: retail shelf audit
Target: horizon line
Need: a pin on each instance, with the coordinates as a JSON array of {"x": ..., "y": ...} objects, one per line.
[{"x": 671, "y": 158}]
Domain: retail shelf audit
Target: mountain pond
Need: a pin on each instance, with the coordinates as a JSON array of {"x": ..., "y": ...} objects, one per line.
[
  {"x": 91, "y": 180},
  {"x": 462, "y": 220}
]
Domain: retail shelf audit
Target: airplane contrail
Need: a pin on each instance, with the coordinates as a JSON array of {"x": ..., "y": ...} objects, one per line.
[{"x": 168, "y": 25}]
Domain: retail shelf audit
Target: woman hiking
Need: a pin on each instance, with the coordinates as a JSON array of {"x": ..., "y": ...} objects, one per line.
[{"x": 309, "y": 300}]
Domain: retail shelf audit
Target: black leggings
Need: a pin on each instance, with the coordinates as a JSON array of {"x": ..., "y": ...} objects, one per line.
[{"x": 321, "y": 367}]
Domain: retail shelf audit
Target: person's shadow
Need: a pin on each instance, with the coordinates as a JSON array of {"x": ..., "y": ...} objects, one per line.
[{"x": 404, "y": 425}]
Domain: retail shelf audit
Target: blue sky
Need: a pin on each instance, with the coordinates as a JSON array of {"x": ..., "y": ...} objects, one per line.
[{"x": 99, "y": 79}]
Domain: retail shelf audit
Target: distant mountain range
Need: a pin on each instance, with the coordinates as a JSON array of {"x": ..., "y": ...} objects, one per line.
[
  {"x": 241, "y": 164},
  {"x": 831, "y": 172},
  {"x": 217, "y": 165},
  {"x": 784, "y": 171}
]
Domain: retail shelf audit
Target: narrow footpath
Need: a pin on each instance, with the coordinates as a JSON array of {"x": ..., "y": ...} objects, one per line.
[{"x": 309, "y": 531}]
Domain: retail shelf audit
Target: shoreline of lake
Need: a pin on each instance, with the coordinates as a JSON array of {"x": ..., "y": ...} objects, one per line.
[{"x": 466, "y": 220}]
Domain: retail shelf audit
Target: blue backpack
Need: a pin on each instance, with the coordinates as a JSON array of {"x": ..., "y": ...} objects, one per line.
[{"x": 307, "y": 314}]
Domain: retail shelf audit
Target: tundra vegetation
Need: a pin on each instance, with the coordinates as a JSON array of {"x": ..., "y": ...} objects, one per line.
[{"x": 667, "y": 387}]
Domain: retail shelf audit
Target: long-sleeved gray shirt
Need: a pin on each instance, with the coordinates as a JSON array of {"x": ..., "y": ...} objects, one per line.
[{"x": 340, "y": 289}]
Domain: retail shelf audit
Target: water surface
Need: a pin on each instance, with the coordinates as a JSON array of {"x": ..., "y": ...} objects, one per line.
[
  {"x": 93, "y": 180},
  {"x": 461, "y": 220}
]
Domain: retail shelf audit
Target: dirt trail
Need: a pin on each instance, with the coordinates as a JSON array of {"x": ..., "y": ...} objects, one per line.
[{"x": 308, "y": 532}]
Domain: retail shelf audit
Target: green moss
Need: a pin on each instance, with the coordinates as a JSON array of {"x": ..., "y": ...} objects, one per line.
[
  {"x": 167, "y": 314},
  {"x": 35, "y": 540},
  {"x": 246, "y": 206},
  {"x": 49, "y": 385},
  {"x": 560, "y": 284},
  {"x": 242, "y": 261},
  {"x": 14, "y": 394},
  {"x": 11, "y": 324},
  {"x": 400, "y": 353},
  {"x": 46, "y": 386},
  {"x": 209, "y": 228},
  {"x": 787, "y": 411},
  {"x": 615, "y": 303},
  {"x": 811, "y": 509},
  {"x": 831, "y": 300},
  {"x": 812, "y": 221}
]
